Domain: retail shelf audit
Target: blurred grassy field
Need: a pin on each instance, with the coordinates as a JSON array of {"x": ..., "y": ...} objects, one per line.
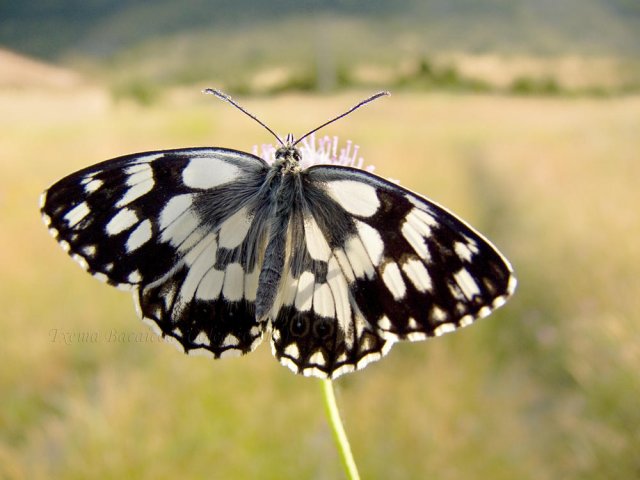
[{"x": 546, "y": 388}]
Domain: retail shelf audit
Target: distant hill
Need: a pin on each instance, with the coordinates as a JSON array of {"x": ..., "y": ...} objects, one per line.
[
  {"x": 99, "y": 28},
  {"x": 18, "y": 71},
  {"x": 257, "y": 46}
]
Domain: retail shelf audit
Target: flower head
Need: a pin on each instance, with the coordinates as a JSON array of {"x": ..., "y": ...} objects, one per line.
[{"x": 322, "y": 151}]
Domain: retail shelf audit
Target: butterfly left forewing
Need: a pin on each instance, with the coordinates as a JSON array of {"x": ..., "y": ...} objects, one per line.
[{"x": 182, "y": 228}]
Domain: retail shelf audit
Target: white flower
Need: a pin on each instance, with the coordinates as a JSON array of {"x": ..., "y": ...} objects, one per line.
[{"x": 323, "y": 151}]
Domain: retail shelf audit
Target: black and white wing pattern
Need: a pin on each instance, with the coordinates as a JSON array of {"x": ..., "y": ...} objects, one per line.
[
  {"x": 370, "y": 263},
  {"x": 220, "y": 248},
  {"x": 182, "y": 229}
]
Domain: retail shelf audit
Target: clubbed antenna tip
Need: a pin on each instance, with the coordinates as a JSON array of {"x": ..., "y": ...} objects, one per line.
[
  {"x": 228, "y": 99},
  {"x": 373, "y": 97}
]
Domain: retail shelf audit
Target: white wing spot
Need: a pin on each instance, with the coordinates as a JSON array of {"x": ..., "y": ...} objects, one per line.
[
  {"x": 343, "y": 262},
  {"x": 135, "y": 191},
  {"x": 151, "y": 324},
  {"x": 304, "y": 296},
  {"x": 289, "y": 289},
  {"x": 393, "y": 280},
  {"x": 421, "y": 221},
  {"x": 93, "y": 185},
  {"x": 134, "y": 277},
  {"x": 230, "y": 341},
  {"x": 200, "y": 352},
  {"x": 339, "y": 289},
  {"x": 316, "y": 243},
  {"x": 173, "y": 209},
  {"x": 342, "y": 369},
  {"x": 424, "y": 217},
  {"x": 123, "y": 220},
  {"x": 467, "y": 283},
  {"x": 318, "y": 358},
  {"x": 140, "y": 236},
  {"x": 416, "y": 241},
  {"x": 358, "y": 258},
  {"x": 76, "y": 214},
  {"x": 211, "y": 285},
  {"x": 200, "y": 262},
  {"x": 290, "y": 364},
  {"x": 234, "y": 229},
  {"x": 438, "y": 314},
  {"x": 43, "y": 200},
  {"x": 456, "y": 292},
  {"x": 463, "y": 251},
  {"x": 444, "y": 328},
  {"x": 323, "y": 301},
  {"x": 178, "y": 223},
  {"x": 417, "y": 273},
  {"x": 207, "y": 172},
  {"x": 384, "y": 323},
  {"x": 416, "y": 336},
  {"x": 233, "y": 288},
  {"x": 466, "y": 321},
  {"x": 357, "y": 198},
  {"x": 89, "y": 250},
  {"x": 100, "y": 276},
  {"x": 292, "y": 351},
  {"x": 251, "y": 284},
  {"x": 499, "y": 301},
  {"x": 81, "y": 261},
  {"x": 202, "y": 339},
  {"x": 372, "y": 241}
]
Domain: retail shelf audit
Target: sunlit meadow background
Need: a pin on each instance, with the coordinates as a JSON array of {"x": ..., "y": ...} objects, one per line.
[{"x": 541, "y": 153}]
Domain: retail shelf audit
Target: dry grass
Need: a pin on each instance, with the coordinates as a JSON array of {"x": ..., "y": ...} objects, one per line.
[{"x": 547, "y": 388}]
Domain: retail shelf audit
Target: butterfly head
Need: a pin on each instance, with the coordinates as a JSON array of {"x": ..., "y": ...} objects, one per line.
[{"x": 288, "y": 156}]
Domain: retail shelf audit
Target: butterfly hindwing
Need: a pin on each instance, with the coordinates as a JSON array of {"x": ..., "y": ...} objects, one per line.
[
  {"x": 318, "y": 330},
  {"x": 182, "y": 228}
]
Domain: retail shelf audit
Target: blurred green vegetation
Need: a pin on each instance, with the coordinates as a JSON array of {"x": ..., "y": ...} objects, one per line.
[
  {"x": 545, "y": 388},
  {"x": 96, "y": 28},
  {"x": 248, "y": 46}
]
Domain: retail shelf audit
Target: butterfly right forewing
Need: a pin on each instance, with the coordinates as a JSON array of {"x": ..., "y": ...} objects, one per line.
[{"x": 426, "y": 272}]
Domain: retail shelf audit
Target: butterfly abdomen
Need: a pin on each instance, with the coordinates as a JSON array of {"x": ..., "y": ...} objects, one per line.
[{"x": 281, "y": 204}]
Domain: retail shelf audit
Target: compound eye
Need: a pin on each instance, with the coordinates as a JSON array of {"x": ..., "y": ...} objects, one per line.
[{"x": 281, "y": 152}]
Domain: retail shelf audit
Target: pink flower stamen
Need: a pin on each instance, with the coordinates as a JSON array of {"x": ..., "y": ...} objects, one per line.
[{"x": 322, "y": 151}]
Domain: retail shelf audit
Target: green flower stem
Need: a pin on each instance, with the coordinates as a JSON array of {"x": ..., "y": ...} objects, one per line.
[{"x": 338, "y": 430}]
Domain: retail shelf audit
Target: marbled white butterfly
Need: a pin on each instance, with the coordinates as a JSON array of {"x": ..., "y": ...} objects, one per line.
[{"x": 221, "y": 248}]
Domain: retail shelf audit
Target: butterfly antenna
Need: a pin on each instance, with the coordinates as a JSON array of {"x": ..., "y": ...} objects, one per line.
[
  {"x": 228, "y": 99},
  {"x": 355, "y": 107}
]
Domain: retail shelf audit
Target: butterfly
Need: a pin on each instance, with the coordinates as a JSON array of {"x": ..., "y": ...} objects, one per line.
[{"x": 221, "y": 248}]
